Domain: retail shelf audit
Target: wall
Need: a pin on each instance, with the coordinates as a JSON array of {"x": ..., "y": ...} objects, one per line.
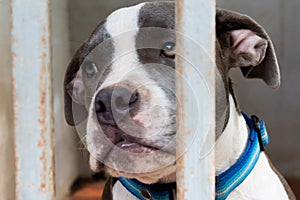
[
  {"x": 84, "y": 17},
  {"x": 67, "y": 154},
  {"x": 6, "y": 110}
]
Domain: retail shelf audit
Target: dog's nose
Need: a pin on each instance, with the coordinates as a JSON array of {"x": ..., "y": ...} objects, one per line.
[{"x": 113, "y": 104}]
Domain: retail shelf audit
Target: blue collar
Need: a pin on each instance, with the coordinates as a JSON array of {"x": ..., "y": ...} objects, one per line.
[
  {"x": 153, "y": 191},
  {"x": 226, "y": 182}
]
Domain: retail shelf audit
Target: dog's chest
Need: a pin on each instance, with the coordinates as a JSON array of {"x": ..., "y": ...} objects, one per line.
[{"x": 120, "y": 192}]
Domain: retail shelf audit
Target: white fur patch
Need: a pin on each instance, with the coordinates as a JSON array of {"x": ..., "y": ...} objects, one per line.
[
  {"x": 262, "y": 183},
  {"x": 232, "y": 142},
  {"x": 120, "y": 192},
  {"x": 122, "y": 25}
]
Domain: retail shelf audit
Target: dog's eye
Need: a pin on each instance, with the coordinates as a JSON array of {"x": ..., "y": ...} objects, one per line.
[
  {"x": 168, "y": 50},
  {"x": 90, "y": 68}
]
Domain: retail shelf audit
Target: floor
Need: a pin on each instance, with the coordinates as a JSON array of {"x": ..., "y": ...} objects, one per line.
[
  {"x": 93, "y": 190},
  {"x": 90, "y": 191}
]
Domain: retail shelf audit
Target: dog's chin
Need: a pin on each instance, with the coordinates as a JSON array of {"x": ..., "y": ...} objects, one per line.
[
  {"x": 133, "y": 163},
  {"x": 157, "y": 166},
  {"x": 164, "y": 175}
]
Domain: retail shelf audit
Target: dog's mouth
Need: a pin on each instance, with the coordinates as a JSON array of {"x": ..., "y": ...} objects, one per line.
[
  {"x": 129, "y": 142},
  {"x": 134, "y": 147},
  {"x": 128, "y": 149}
]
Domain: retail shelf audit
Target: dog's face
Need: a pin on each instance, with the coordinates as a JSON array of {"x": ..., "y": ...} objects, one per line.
[{"x": 120, "y": 86}]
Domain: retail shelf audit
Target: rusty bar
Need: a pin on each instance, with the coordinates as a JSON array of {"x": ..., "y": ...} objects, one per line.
[
  {"x": 33, "y": 107},
  {"x": 195, "y": 88}
]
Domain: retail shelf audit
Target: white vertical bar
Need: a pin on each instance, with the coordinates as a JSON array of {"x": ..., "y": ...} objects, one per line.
[
  {"x": 195, "y": 20},
  {"x": 32, "y": 87}
]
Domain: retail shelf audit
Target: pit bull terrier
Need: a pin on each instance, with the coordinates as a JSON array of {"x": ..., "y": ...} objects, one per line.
[{"x": 119, "y": 90}]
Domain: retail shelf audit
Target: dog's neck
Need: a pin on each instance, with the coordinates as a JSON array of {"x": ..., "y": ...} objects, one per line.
[{"x": 230, "y": 145}]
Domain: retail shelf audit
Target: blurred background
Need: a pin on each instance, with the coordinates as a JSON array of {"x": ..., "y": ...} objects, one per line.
[{"x": 72, "y": 23}]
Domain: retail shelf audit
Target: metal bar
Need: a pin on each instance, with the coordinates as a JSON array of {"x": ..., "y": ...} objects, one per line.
[
  {"x": 195, "y": 89},
  {"x": 32, "y": 88}
]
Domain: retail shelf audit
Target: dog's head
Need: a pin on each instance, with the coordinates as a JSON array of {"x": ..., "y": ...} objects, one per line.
[{"x": 120, "y": 85}]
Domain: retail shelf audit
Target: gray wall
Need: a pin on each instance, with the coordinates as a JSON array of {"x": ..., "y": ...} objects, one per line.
[
  {"x": 84, "y": 16},
  {"x": 279, "y": 109},
  {"x": 67, "y": 153},
  {"x": 7, "y": 169}
]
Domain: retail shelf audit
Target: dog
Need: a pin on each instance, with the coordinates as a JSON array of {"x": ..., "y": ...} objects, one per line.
[{"x": 118, "y": 92}]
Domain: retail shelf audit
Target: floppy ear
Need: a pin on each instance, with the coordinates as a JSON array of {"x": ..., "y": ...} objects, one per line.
[
  {"x": 74, "y": 89},
  {"x": 245, "y": 44}
]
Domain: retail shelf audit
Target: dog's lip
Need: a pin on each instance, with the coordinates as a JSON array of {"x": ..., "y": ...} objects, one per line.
[
  {"x": 134, "y": 147},
  {"x": 116, "y": 135},
  {"x": 134, "y": 144},
  {"x": 131, "y": 142}
]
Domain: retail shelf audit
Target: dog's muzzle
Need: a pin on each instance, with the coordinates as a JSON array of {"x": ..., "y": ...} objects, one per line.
[{"x": 115, "y": 107}]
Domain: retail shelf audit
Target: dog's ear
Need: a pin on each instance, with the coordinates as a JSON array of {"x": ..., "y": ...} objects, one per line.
[
  {"x": 74, "y": 89},
  {"x": 245, "y": 44}
]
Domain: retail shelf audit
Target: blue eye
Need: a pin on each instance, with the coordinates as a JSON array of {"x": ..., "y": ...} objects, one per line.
[
  {"x": 90, "y": 68},
  {"x": 168, "y": 50}
]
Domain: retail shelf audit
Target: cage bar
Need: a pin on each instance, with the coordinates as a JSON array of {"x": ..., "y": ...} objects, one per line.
[
  {"x": 33, "y": 104},
  {"x": 195, "y": 25}
]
